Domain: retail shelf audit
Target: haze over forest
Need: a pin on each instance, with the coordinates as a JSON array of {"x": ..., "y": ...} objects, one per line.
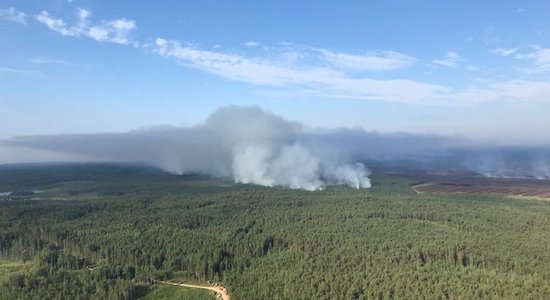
[{"x": 251, "y": 145}]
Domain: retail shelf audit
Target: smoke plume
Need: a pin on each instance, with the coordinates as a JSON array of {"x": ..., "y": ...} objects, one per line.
[
  {"x": 245, "y": 143},
  {"x": 251, "y": 145}
]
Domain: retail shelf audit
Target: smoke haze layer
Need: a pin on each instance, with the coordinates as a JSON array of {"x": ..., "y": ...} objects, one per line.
[
  {"x": 251, "y": 145},
  {"x": 245, "y": 143}
]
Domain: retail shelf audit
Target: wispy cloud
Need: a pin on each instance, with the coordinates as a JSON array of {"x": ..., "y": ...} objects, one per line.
[
  {"x": 541, "y": 58},
  {"x": 56, "y": 24},
  {"x": 314, "y": 79},
  {"x": 46, "y": 60},
  {"x": 388, "y": 60},
  {"x": 504, "y": 51},
  {"x": 320, "y": 80},
  {"x": 526, "y": 90},
  {"x": 252, "y": 44},
  {"x": 17, "y": 71},
  {"x": 451, "y": 60},
  {"x": 13, "y": 15},
  {"x": 511, "y": 90},
  {"x": 114, "y": 31}
]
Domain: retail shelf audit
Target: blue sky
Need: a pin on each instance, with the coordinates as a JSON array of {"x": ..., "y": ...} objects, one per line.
[{"x": 471, "y": 68}]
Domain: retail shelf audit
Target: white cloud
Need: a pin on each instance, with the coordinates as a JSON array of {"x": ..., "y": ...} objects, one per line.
[
  {"x": 305, "y": 77},
  {"x": 512, "y": 90},
  {"x": 55, "y": 24},
  {"x": 540, "y": 57},
  {"x": 451, "y": 60},
  {"x": 252, "y": 44},
  {"x": 119, "y": 30},
  {"x": 46, "y": 60},
  {"x": 523, "y": 90},
  {"x": 312, "y": 79},
  {"x": 13, "y": 15},
  {"x": 503, "y": 51},
  {"x": 388, "y": 60},
  {"x": 98, "y": 33},
  {"x": 17, "y": 71},
  {"x": 113, "y": 31},
  {"x": 83, "y": 16}
]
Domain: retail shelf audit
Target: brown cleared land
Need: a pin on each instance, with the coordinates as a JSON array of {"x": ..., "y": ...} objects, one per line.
[
  {"x": 220, "y": 290},
  {"x": 515, "y": 187}
]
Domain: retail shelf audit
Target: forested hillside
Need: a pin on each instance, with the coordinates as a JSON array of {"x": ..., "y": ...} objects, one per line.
[{"x": 102, "y": 231}]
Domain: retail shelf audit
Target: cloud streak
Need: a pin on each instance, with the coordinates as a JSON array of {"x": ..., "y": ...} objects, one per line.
[
  {"x": 46, "y": 60},
  {"x": 387, "y": 60},
  {"x": 540, "y": 57},
  {"x": 252, "y": 44},
  {"x": 13, "y": 15},
  {"x": 113, "y": 31},
  {"x": 451, "y": 60},
  {"x": 17, "y": 71},
  {"x": 504, "y": 51},
  {"x": 319, "y": 78},
  {"x": 316, "y": 78}
]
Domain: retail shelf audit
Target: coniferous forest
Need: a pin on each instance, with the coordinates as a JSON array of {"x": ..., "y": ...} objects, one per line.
[{"x": 102, "y": 231}]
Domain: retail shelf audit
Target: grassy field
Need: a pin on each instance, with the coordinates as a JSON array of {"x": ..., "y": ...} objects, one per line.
[{"x": 13, "y": 267}]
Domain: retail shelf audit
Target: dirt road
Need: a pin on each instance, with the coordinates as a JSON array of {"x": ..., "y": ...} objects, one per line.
[{"x": 218, "y": 289}]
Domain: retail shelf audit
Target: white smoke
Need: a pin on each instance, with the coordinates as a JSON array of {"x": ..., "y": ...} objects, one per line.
[
  {"x": 509, "y": 162},
  {"x": 355, "y": 175},
  {"x": 292, "y": 166},
  {"x": 541, "y": 170}
]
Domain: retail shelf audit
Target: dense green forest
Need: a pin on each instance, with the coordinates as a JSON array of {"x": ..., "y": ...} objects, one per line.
[{"x": 101, "y": 231}]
